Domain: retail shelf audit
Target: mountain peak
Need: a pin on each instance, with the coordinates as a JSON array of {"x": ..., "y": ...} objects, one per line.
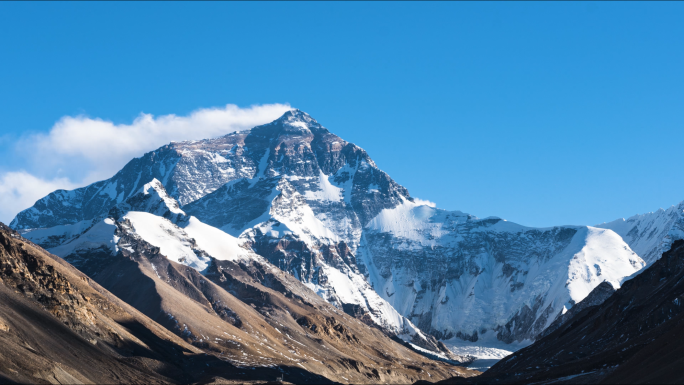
[
  {"x": 297, "y": 120},
  {"x": 295, "y": 115}
]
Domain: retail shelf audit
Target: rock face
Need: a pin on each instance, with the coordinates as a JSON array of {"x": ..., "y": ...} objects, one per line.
[
  {"x": 651, "y": 234},
  {"x": 319, "y": 208},
  {"x": 634, "y": 336}
]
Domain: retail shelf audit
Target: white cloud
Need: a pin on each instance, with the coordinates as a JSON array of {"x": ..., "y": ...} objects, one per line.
[
  {"x": 80, "y": 150},
  {"x": 424, "y": 202},
  {"x": 19, "y": 190},
  {"x": 95, "y": 149}
]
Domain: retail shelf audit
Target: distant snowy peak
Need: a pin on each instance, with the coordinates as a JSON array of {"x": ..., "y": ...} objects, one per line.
[{"x": 651, "y": 234}]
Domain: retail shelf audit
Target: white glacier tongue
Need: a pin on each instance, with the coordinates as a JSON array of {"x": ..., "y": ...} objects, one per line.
[
  {"x": 486, "y": 352},
  {"x": 318, "y": 207}
]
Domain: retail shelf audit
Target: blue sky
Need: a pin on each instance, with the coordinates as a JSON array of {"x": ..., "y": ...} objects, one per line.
[{"x": 543, "y": 113}]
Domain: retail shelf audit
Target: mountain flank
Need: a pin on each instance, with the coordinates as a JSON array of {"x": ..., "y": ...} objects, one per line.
[{"x": 634, "y": 336}]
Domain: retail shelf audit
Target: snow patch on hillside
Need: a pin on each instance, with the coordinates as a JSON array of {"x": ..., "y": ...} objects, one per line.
[
  {"x": 299, "y": 218},
  {"x": 263, "y": 163},
  {"x": 215, "y": 242},
  {"x": 169, "y": 238},
  {"x": 409, "y": 220},
  {"x": 345, "y": 175},
  {"x": 327, "y": 191},
  {"x": 152, "y": 198},
  {"x": 596, "y": 262}
]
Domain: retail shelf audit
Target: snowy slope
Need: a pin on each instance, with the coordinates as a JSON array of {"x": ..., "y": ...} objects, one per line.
[
  {"x": 102, "y": 235},
  {"x": 455, "y": 275},
  {"x": 151, "y": 198},
  {"x": 180, "y": 238},
  {"x": 319, "y": 208},
  {"x": 215, "y": 242},
  {"x": 172, "y": 241},
  {"x": 155, "y": 218},
  {"x": 651, "y": 234},
  {"x": 57, "y": 235}
]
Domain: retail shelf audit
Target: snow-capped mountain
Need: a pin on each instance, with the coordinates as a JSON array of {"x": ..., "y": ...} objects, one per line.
[
  {"x": 651, "y": 234},
  {"x": 168, "y": 323},
  {"x": 152, "y": 217},
  {"x": 316, "y": 206},
  {"x": 632, "y": 335},
  {"x": 455, "y": 275}
]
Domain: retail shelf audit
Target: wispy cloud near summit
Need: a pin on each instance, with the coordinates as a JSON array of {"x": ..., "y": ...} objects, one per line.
[{"x": 80, "y": 150}]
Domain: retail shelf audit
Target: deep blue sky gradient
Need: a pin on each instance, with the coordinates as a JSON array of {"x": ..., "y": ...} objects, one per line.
[{"x": 543, "y": 113}]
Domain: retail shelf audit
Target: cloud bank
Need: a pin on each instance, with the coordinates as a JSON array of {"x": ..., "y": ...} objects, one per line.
[{"x": 80, "y": 150}]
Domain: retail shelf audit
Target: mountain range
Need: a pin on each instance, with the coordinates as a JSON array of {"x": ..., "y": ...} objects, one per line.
[{"x": 289, "y": 227}]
